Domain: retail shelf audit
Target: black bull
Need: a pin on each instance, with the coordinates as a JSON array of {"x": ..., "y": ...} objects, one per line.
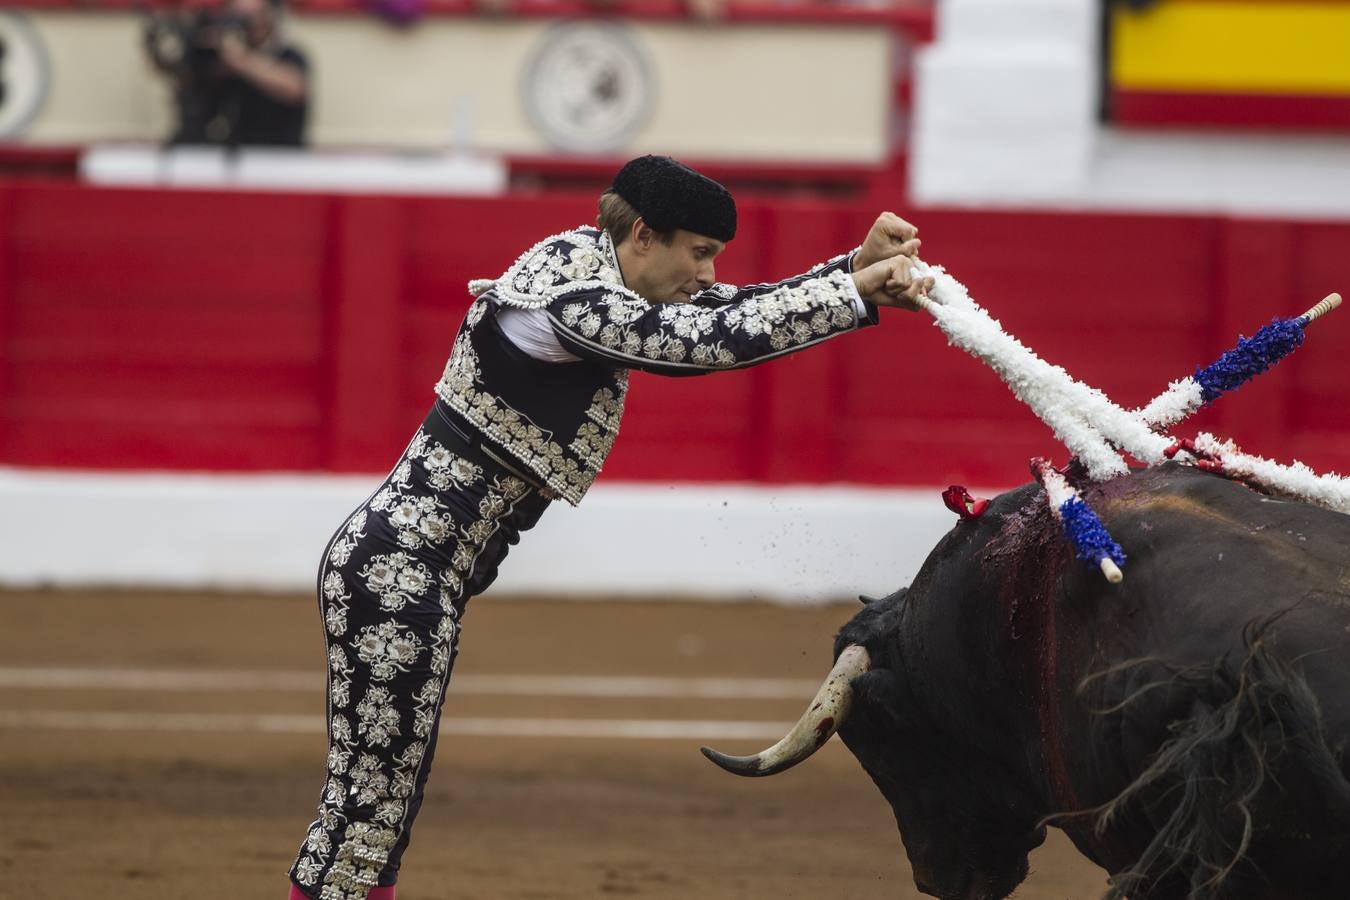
[{"x": 1187, "y": 728}]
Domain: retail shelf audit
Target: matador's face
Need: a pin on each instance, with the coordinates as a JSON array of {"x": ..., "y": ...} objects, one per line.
[{"x": 673, "y": 272}]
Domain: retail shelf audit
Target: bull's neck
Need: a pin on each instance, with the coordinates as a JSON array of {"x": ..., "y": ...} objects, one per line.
[
  {"x": 1020, "y": 577},
  {"x": 1022, "y": 572}
]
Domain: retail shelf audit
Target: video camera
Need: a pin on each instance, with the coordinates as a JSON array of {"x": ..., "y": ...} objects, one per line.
[{"x": 186, "y": 43}]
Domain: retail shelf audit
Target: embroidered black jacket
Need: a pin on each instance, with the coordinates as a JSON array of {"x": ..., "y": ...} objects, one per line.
[{"x": 558, "y": 421}]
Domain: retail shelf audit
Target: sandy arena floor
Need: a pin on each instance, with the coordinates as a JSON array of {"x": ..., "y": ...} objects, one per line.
[{"x": 191, "y": 769}]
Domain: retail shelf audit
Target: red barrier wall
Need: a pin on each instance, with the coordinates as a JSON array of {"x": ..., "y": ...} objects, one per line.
[{"x": 222, "y": 331}]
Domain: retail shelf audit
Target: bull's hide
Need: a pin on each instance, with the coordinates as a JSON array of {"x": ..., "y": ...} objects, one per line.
[{"x": 1187, "y": 728}]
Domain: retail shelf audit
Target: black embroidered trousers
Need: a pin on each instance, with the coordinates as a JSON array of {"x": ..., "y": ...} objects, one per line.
[{"x": 393, "y": 585}]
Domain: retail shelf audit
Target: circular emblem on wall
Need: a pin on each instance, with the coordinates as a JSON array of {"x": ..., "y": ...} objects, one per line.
[
  {"x": 589, "y": 86},
  {"x": 24, "y": 74}
]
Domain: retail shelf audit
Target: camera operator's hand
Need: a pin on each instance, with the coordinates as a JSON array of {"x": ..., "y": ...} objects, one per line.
[
  {"x": 281, "y": 80},
  {"x": 234, "y": 51}
]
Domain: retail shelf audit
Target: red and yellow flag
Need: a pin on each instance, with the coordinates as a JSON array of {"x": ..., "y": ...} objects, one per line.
[{"x": 1259, "y": 63}]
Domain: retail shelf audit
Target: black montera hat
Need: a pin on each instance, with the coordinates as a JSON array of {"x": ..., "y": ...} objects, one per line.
[{"x": 670, "y": 195}]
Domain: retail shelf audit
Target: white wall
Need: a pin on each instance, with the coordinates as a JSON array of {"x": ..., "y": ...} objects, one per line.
[
  {"x": 1005, "y": 116},
  {"x": 267, "y": 531}
]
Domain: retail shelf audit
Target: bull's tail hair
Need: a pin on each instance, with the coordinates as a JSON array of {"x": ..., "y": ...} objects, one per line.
[{"x": 1217, "y": 767}]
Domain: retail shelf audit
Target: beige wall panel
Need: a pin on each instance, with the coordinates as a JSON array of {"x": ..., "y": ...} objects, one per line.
[
  {"x": 101, "y": 86},
  {"x": 749, "y": 92},
  {"x": 770, "y": 92},
  {"x": 421, "y": 87}
]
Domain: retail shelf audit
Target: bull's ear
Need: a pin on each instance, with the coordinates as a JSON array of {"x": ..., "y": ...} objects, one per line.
[{"x": 866, "y": 600}]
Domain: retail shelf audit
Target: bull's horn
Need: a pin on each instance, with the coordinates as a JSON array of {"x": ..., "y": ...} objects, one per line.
[{"x": 825, "y": 714}]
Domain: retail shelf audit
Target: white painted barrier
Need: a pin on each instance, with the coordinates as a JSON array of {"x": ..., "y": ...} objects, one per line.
[
  {"x": 789, "y": 544},
  {"x": 291, "y": 170}
]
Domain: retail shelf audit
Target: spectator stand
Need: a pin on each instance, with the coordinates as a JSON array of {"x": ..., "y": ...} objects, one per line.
[{"x": 871, "y": 166}]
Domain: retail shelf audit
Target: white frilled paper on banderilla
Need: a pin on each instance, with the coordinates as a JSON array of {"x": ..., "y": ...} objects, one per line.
[
  {"x": 1084, "y": 419},
  {"x": 1093, "y": 428},
  {"x": 1294, "y": 480}
]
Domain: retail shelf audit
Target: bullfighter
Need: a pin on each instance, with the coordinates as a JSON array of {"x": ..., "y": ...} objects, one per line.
[{"x": 526, "y": 412}]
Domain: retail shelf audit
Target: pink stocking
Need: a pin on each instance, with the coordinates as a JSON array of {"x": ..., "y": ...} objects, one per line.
[{"x": 376, "y": 893}]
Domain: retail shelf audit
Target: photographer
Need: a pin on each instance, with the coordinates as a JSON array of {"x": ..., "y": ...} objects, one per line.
[{"x": 235, "y": 81}]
